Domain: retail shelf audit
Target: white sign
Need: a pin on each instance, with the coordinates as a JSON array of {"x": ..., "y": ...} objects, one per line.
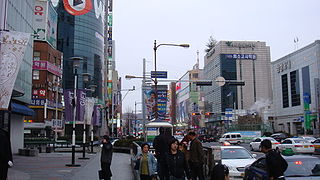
[{"x": 13, "y": 45}]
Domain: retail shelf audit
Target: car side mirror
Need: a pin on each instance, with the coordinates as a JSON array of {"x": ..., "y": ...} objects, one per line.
[{"x": 254, "y": 155}]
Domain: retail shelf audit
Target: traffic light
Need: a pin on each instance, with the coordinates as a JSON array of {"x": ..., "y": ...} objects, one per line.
[
  {"x": 209, "y": 113},
  {"x": 195, "y": 113}
]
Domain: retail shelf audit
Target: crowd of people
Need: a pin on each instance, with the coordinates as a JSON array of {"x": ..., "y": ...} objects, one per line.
[{"x": 174, "y": 160}]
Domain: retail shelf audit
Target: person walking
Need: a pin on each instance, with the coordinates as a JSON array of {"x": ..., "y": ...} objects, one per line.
[
  {"x": 160, "y": 144},
  {"x": 196, "y": 157},
  {"x": 5, "y": 154},
  {"x": 147, "y": 163},
  {"x": 177, "y": 164},
  {"x": 276, "y": 164},
  {"x": 106, "y": 157}
]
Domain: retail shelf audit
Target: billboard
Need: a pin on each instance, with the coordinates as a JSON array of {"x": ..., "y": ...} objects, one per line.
[
  {"x": 45, "y": 22},
  {"x": 150, "y": 102}
]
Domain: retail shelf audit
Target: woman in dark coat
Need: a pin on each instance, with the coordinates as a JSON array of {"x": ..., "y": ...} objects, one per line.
[
  {"x": 176, "y": 162},
  {"x": 106, "y": 157}
]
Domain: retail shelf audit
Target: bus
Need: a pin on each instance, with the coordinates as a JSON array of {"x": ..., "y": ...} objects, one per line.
[{"x": 152, "y": 130}]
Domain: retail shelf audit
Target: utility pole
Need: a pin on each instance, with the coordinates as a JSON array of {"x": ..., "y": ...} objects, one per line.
[{"x": 143, "y": 99}]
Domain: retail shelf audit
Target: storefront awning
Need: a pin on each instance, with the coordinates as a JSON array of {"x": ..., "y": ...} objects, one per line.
[{"x": 21, "y": 109}]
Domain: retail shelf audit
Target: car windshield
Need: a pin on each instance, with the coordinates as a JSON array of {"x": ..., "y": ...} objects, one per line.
[
  {"x": 235, "y": 153},
  {"x": 300, "y": 141},
  {"x": 303, "y": 167}
]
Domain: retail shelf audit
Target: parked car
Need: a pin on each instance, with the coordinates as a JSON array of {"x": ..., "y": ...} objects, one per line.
[
  {"x": 236, "y": 158},
  {"x": 232, "y": 138},
  {"x": 299, "y": 167},
  {"x": 308, "y": 138},
  {"x": 255, "y": 144},
  {"x": 316, "y": 144},
  {"x": 280, "y": 136},
  {"x": 297, "y": 145}
]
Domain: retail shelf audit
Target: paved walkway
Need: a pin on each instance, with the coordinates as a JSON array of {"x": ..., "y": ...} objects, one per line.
[{"x": 51, "y": 166}]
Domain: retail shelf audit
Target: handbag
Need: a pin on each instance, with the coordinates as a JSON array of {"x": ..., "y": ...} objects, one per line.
[
  {"x": 137, "y": 165},
  {"x": 101, "y": 174}
]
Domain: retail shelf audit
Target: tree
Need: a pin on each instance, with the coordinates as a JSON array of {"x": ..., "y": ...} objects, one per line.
[{"x": 211, "y": 44}]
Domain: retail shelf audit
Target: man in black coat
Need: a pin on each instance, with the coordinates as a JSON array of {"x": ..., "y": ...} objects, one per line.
[
  {"x": 196, "y": 160},
  {"x": 106, "y": 157},
  {"x": 5, "y": 154},
  {"x": 161, "y": 144}
]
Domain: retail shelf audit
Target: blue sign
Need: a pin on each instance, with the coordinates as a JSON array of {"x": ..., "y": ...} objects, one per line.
[
  {"x": 306, "y": 98},
  {"x": 228, "y": 112},
  {"x": 159, "y": 74},
  {"x": 241, "y": 56}
]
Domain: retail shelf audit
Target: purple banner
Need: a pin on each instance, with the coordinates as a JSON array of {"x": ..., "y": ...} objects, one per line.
[
  {"x": 81, "y": 103},
  {"x": 68, "y": 97}
]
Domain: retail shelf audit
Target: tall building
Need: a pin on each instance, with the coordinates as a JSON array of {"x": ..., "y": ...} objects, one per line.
[
  {"x": 247, "y": 61},
  {"x": 296, "y": 91},
  {"x": 81, "y": 35},
  {"x": 19, "y": 18}
]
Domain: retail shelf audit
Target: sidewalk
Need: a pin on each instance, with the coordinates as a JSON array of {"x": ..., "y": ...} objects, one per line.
[{"x": 51, "y": 166}]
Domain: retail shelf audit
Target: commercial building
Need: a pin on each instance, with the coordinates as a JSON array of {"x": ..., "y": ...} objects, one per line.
[
  {"x": 81, "y": 35},
  {"x": 296, "y": 89},
  {"x": 238, "y": 61},
  {"x": 19, "y": 18}
]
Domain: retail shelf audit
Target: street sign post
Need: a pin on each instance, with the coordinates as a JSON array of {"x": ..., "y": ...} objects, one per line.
[{"x": 159, "y": 74}]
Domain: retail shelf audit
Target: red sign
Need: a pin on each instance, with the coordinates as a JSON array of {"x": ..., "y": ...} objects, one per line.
[{"x": 77, "y": 7}]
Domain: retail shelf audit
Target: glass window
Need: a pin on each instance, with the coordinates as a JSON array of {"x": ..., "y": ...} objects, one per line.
[
  {"x": 285, "y": 92},
  {"x": 306, "y": 82},
  {"x": 36, "y": 56},
  {"x": 35, "y": 75},
  {"x": 295, "y": 88},
  {"x": 235, "y": 153}
]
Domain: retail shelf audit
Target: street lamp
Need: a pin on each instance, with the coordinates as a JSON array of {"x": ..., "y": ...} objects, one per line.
[
  {"x": 155, "y": 48},
  {"x": 76, "y": 64},
  {"x": 86, "y": 77}
]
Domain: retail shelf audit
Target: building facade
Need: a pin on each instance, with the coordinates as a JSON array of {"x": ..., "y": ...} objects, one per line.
[
  {"x": 296, "y": 89},
  {"x": 19, "y": 18},
  {"x": 246, "y": 61}
]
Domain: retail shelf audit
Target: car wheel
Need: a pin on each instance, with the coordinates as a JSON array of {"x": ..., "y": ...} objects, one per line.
[
  {"x": 238, "y": 142},
  {"x": 277, "y": 149},
  {"x": 251, "y": 148}
]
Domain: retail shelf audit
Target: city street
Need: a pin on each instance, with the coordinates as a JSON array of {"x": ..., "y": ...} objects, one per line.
[{"x": 51, "y": 166}]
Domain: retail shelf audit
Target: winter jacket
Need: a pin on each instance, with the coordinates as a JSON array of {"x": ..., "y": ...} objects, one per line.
[
  {"x": 177, "y": 165},
  {"x": 152, "y": 163},
  {"x": 196, "y": 152},
  {"x": 106, "y": 153}
]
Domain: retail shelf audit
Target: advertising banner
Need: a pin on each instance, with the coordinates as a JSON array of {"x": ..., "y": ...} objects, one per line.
[
  {"x": 68, "y": 98},
  {"x": 96, "y": 116},
  {"x": 81, "y": 102},
  {"x": 89, "y": 110},
  {"x": 150, "y": 101},
  {"x": 162, "y": 104},
  {"x": 12, "y": 48}
]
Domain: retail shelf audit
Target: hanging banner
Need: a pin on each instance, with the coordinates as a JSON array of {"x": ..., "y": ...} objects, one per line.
[
  {"x": 12, "y": 48},
  {"x": 96, "y": 116},
  {"x": 89, "y": 110},
  {"x": 150, "y": 102},
  {"x": 81, "y": 102},
  {"x": 68, "y": 105},
  {"x": 162, "y": 104}
]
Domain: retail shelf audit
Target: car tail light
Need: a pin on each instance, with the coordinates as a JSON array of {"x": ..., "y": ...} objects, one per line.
[
  {"x": 276, "y": 143},
  {"x": 297, "y": 145},
  {"x": 311, "y": 145},
  {"x": 298, "y": 162}
]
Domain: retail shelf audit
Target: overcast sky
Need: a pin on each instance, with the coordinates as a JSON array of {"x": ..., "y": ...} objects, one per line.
[{"x": 137, "y": 23}]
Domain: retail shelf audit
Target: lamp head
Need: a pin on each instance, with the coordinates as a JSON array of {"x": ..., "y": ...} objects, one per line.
[
  {"x": 86, "y": 77},
  {"x": 76, "y": 61},
  {"x": 184, "y": 45},
  {"x": 129, "y": 77}
]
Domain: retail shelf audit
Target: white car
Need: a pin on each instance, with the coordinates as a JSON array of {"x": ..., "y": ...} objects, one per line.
[
  {"x": 255, "y": 144},
  {"x": 310, "y": 139},
  {"x": 297, "y": 145},
  {"x": 236, "y": 158}
]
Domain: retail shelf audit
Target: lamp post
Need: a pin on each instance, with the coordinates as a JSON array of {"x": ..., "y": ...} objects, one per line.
[
  {"x": 92, "y": 87},
  {"x": 86, "y": 77},
  {"x": 155, "y": 48},
  {"x": 76, "y": 64}
]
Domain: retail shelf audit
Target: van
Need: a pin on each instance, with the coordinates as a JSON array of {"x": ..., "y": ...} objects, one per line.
[{"x": 232, "y": 138}]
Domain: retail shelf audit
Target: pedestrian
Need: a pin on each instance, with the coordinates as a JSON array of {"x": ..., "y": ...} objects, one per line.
[
  {"x": 106, "y": 157},
  {"x": 147, "y": 163},
  {"x": 177, "y": 164},
  {"x": 196, "y": 160},
  {"x": 185, "y": 146},
  {"x": 160, "y": 144},
  {"x": 275, "y": 163},
  {"x": 220, "y": 172},
  {"x": 5, "y": 154}
]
